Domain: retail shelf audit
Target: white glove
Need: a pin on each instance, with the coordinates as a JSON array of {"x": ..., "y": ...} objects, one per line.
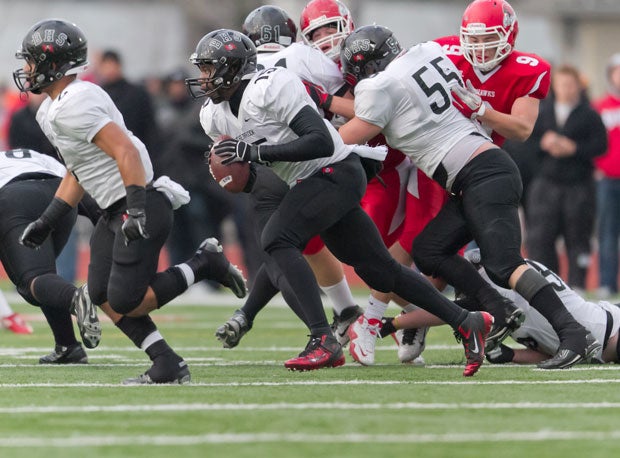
[
  {"x": 378, "y": 153},
  {"x": 467, "y": 100},
  {"x": 176, "y": 194}
]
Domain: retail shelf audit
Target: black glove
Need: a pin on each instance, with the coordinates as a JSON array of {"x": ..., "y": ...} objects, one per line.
[
  {"x": 35, "y": 233},
  {"x": 231, "y": 150},
  {"x": 134, "y": 225}
]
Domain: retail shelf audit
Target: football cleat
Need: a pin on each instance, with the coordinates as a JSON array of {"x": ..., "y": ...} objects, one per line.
[
  {"x": 566, "y": 358},
  {"x": 231, "y": 332},
  {"x": 472, "y": 333},
  {"x": 411, "y": 343},
  {"x": 86, "y": 317},
  {"x": 73, "y": 354},
  {"x": 210, "y": 263},
  {"x": 321, "y": 351},
  {"x": 508, "y": 318},
  {"x": 363, "y": 338},
  {"x": 16, "y": 324},
  {"x": 341, "y": 323},
  {"x": 160, "y": 372}
]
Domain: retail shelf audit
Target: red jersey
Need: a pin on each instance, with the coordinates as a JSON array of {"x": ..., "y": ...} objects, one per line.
[
  {"x": 519, "y": 75},
  {"x": 609, "y": 109}
]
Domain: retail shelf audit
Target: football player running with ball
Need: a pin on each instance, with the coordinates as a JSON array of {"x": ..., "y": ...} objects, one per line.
[{"x": 326, "y": 180}]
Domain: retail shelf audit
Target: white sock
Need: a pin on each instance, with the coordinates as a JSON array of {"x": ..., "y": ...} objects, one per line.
[
  {"x": 188, "y": 273},
  {"x": 376, "y": 309},
  {"x": 339, "y": 295},
  {"x": 153, "y": 337}
]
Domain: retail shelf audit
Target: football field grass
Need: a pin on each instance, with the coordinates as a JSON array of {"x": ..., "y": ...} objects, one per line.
[{"x": 243, "y": 403}]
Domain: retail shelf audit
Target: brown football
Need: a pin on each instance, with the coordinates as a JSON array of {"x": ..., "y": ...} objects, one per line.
[{"x": 232, "y": 177}]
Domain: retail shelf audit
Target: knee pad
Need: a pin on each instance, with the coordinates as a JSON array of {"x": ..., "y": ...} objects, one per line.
[
  {"x": 530, "y": 283},
  {"x": 124, "y": 302},
  {"x": 425, "y": 258}
]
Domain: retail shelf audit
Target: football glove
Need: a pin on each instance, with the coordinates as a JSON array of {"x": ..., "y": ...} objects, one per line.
[
  {"x": 231, "y": 150},
  {"x": 35, "y": 233},
  {"x": 134, "y": 225},
  {"x": 467, "y": 100}
]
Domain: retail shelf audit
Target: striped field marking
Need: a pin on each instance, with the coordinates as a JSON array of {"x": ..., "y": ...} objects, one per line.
[
  {"x": 232, "y": 408},
  {"x": 319, "y": 383},
  {"x": 250, "y": 438}
]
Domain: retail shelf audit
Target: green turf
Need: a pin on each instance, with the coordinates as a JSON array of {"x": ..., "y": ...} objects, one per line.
[{"x": 243, "y": 403}]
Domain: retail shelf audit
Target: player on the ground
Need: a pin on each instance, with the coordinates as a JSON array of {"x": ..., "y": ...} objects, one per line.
[
  {"x": 326, "y": 180},
  {"x": 409, "y": 101},
  {"x": 106, "y": 160}
]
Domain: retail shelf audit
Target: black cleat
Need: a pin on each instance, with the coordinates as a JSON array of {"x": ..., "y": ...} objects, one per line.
[
  {"x": 210, "y": 263},
  {"x": 162, "y": 372},
  {"x": 231, "y": 332},
  {"x": 341, "y": 323},
  {"x": 508, "y": 318},
  {"x": 86, "y": 317},
  {"x": 566, "y": 358},
  {"x": 73, "y": 354}
]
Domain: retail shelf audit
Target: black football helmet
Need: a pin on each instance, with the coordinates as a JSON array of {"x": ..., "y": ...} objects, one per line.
[
  {"x": 53, "y": 48},
  {"x": 366, "y": 51},
  {"x": 231, "y": 53},
  {"x": 270, "y": 28}
]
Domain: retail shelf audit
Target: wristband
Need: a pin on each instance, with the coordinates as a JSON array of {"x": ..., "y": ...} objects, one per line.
[
  {"x": 136, "y": 196},
  {"x": 55, "y": 211},
  {"x": 328, "y": 102}
]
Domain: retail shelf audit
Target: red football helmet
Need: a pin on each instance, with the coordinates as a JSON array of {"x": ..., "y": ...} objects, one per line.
[
  {"x": 483, "y": 19},
  {"x": 320, "y": 13}
]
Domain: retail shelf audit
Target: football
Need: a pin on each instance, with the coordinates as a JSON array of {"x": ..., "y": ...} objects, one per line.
[{"x": 232, "y": 177}]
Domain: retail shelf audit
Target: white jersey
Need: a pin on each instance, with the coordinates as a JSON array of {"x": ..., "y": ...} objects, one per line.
[
  {"x": 308, "y": 63},
  {"x": 20, "y": 161},
  {"x": 411, "y": 101},
  {"x": 71, "y": 121},
  {"x": 536, "y": 332},
  {"x": 271, "y": 100}
]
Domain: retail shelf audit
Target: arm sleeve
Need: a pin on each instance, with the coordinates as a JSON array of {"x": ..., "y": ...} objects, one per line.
[{"x": 314, "y": 140}]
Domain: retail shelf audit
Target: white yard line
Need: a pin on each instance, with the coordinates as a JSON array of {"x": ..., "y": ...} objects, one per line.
[
  {"x": 204, "y": 407},
  {"x": 320, "y": 383},
  {"x": 249, "y": 438}
]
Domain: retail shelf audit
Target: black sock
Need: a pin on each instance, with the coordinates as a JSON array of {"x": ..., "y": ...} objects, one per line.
[
  {"x": 547, "y": 302},
  {"x": 414, "y": 288},
  {"x": 136, "y": 328},
  {"x": 287, "y": 292},
  {"x": 168, "y": 284},
  {"x": 263, "y": 290},
  {"x": 462, "y": 275},
  {"x": 54, "y": 291},
  {"x": 301, "y": 278},
  {"x": 61, "y": 325},
  {"x": 160, "y": 348}
]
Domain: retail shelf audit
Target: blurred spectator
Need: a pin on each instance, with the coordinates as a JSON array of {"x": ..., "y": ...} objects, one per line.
[
  {"x": 132, "y": 100},
  {"x": 183, "y": 147},
  {"x": 561, "y": 199},
  {"x": 608, "y": 186}
]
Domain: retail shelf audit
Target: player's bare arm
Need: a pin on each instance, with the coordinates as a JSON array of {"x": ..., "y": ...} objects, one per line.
[
  {"x": 357, "y": 131},
  {"x": 112, "y": 140},
  {"x": 519, "y": 124},
  {"x": 69, "y": 190}
]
